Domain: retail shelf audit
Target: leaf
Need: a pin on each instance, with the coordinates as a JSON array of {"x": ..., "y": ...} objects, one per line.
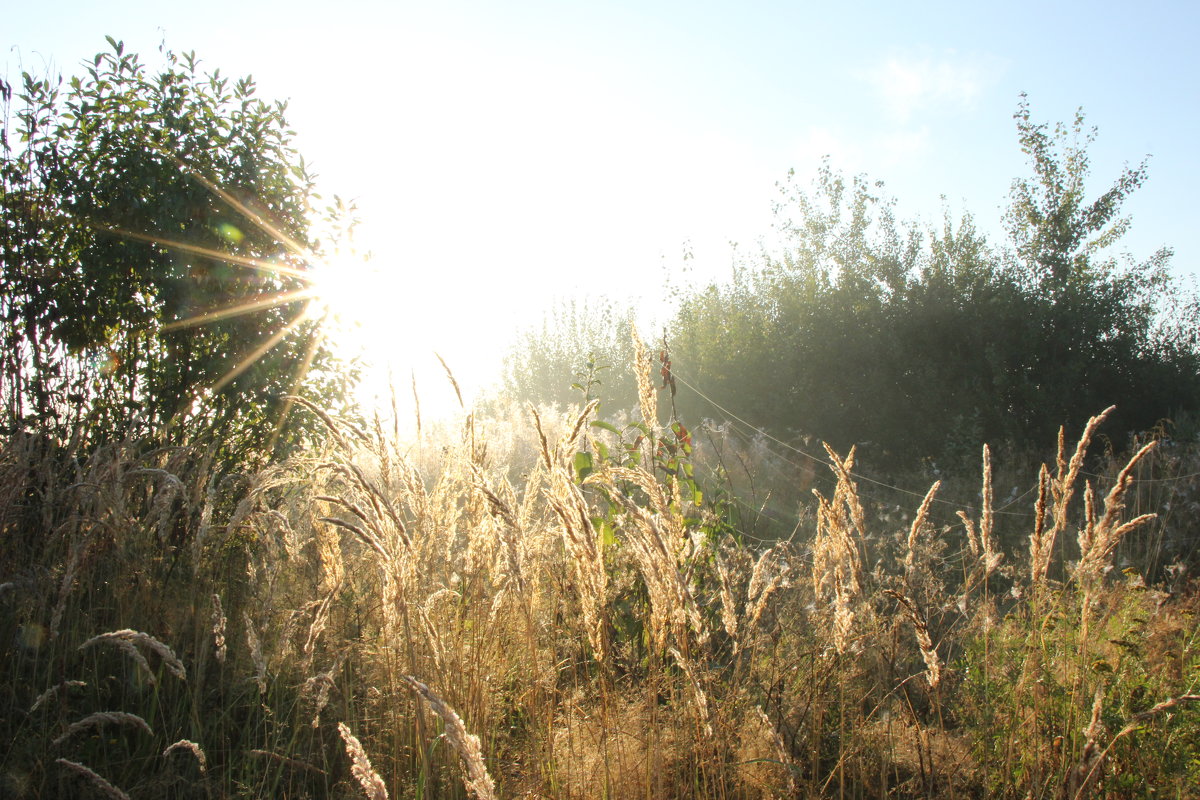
[
  {"x": 583, "y": 465},
  {"x": 605, "y": 426},
  {"x": 608, "y": 536}
]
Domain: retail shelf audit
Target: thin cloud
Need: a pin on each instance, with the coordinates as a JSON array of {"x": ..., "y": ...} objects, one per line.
[
  {"x": 908, "y": 85},
  {"x": 903, "y": 145}
]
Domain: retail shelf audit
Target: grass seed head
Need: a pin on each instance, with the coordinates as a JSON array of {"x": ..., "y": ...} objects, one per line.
[
  {"x": 105, "y": 718},
  {"x": 100, "y": 783},
  {"x": 127, "y": 640},
  {"x": 191, "y": 747},
  {"x": 477, "y": 779},
  {"x": 373, "y": 785},
  {"x": 218, "y": 628}
]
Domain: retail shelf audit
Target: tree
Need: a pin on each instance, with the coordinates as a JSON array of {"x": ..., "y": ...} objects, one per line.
[
  {"x": 581, "y": 351},
  {"x": 923, "y": 343},
  {"x": 1102, "y": 338},
  {"x": 796, "y": 342},
  {"x": 140, "y": 210}
]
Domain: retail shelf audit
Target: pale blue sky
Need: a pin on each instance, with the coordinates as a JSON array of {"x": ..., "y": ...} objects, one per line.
[{"x": 506, "y": 153}]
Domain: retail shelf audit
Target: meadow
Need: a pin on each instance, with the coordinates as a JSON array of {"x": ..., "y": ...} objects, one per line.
[{"x": 545, "y": 604}]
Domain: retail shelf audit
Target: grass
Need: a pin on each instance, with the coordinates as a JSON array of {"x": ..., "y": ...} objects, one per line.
[{"x": 543, "y": 607}]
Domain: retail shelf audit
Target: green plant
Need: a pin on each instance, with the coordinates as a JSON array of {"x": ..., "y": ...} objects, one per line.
[
  {"x": 918, "y": 343},
  {"x": 154, "y": 223}
]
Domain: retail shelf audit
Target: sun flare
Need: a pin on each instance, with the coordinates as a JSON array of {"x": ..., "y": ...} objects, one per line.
[
  {"x": 368, "y": 315},
  {"x": 349, "y": 293},
  {"x": 384, "y": 322}
]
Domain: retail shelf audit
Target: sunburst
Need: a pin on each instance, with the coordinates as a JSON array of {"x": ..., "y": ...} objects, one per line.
[{"x": 322, "y": 302}]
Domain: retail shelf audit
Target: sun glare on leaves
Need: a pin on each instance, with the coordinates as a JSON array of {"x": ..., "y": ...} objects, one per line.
[
  {"x": 384, "y": 320},
  {"x": 294, "y": 279}
]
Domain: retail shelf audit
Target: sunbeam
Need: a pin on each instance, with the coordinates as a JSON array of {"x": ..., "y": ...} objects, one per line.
[
  {"x": 317, "y": 290},
  {"x": 257, "y": 353},
  {"x": 261, "y": 304}
]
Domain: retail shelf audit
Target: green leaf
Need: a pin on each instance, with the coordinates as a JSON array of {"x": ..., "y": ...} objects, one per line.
[
  {"x": 608, "y": 536},
  {"x": 583, "y": 465},
  {"x": 605, "y": 426}
]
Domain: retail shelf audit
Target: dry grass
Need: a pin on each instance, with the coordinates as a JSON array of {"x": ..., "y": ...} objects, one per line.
[
  {"x": 97, "y": 782},
  {"x": 372, "y": 785},
  {"x": 536, "y": 606},
  {"x": 100, "y": 718}
]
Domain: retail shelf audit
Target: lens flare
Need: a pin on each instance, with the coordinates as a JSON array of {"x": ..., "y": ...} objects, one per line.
[{"x": 320, "y": 299}]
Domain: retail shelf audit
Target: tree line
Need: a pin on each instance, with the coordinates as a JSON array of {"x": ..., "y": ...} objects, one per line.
[
  {"x": 921, "y": 343},
  {"x": 137, "y": 201}
]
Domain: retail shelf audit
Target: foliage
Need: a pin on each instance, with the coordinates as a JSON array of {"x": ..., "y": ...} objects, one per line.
[
  {"x": 134, "y": 202},
  {"x": 403, "y": 619},
  {"x": 921, "y": 343},
  {"x": 580, "y": 352},
  {"x": 596, "y": 629}
]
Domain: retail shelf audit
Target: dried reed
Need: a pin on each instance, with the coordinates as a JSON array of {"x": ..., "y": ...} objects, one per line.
[
  {"x": 1098, "y": 539},
  {"x": 373, "y": 785},
  {"x": 837, "y": 563},
  {"x": 104, "y": 718},
  {"x": 191, "y": 747},
  {"x": 767, "y": 577},
  {"x": 477, "y": 780},
  {"x": 1083, "y": 776},
  {"x": 578, "y": 532},
  {"x": 643, "y": 369},
  {"x": 100, "y": 783},
  {"x": 218, "y": 628},
  {"x": 1061, "y": 489},
  {"x": 933, "y": 664},
  {"x": 918, "y": 525},
  {"x": 53, "y": 691},
  {"x": 673, "y": 606},
  {"x": 127, "y": 640},
  {"x": 256, "y": 654}
]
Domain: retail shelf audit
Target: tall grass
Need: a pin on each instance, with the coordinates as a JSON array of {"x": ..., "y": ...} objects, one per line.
[{"x": 542, "y": 606}]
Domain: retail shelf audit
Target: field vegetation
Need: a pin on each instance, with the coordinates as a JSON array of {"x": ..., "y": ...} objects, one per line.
[
  {"x": 622, "y": 594},
  {"x": 412, "y": 622}
]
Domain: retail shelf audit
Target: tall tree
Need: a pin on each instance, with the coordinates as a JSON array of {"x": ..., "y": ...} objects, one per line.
[
  {"x": 1101, "y": 336},
  {"x": 151, "y": 260}
]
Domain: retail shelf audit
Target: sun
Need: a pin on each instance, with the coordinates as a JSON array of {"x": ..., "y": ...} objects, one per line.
[
  {"x": 359, "y": 310},
  {"x": 390, "y": 322},
  {"x": 328, "y": 294},
  {"x": 385, "y": 321},
  {"x": 352, "y": 296}
]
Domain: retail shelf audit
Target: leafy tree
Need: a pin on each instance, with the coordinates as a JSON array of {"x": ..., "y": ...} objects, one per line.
[
  {"x": 794, "y": 342},
  {"x": 135, "y": 203},
  {"x": 1101, "y": 336},
  {"x": 581, "y": 351},
  {"x": 924, "y": 343}
]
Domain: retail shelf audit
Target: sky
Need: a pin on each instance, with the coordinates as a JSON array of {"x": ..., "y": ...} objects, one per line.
[{"x": 504, "y": 155}]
